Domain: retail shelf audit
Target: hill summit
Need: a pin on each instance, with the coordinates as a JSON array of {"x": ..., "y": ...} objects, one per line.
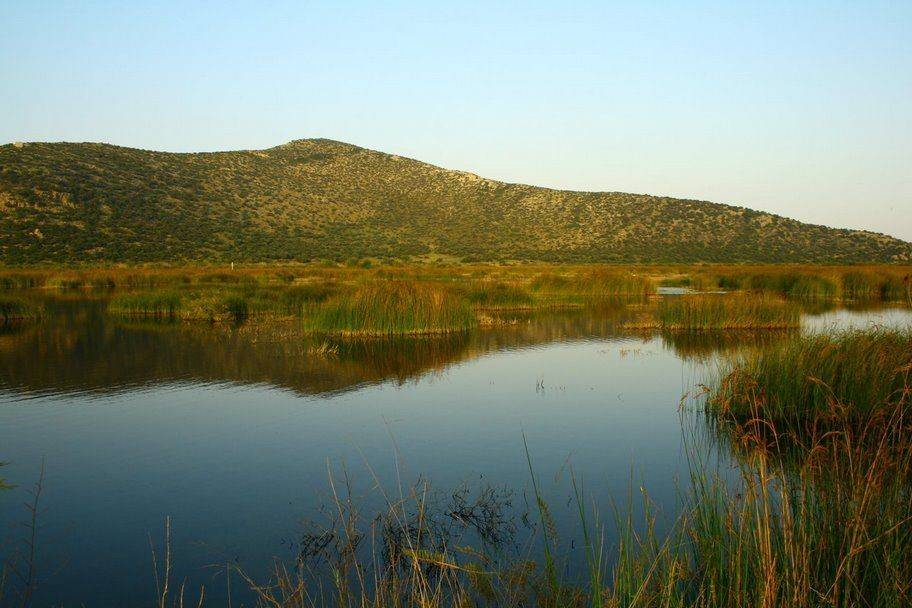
[{"x": 318, "y": 199}]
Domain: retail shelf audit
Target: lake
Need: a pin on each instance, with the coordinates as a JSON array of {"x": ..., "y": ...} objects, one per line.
[{"x": 234, "y": 432}]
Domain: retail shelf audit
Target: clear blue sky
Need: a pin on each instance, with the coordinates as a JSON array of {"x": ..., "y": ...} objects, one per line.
[{"x": 799, "y": 108}]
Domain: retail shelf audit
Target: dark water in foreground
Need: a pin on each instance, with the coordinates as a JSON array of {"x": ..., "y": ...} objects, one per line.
[{"x": 232, "y": 432}]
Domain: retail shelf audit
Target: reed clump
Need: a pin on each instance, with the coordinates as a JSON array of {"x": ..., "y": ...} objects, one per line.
[
  {"x": 589, "y": 285},
  {"x": 874, "y": 285},
  {"x": 802, "y": 377},
  {"x": 704, "y": 312},
  {"x": 497, "y": 294},
  {"x": 155, "y": 305},
  {"x": 297, "y": 300},
  {"x": 393, "y": 307}
]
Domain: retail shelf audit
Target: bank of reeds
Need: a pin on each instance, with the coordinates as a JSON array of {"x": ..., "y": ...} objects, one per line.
[
  {"x": 586, "y": 286},
  {"x": 491, "y": 294},
  {"x": 160, "y": 305},
  {"x": 715, "y": 312},
  {"x": 881, "y": 283},
  {"x": 567, "y": 284},
  {"x": 801, "y": 377},
  {"x": 393, "y": 307}
]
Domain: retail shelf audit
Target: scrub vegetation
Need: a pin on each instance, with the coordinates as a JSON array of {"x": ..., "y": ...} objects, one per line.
[{"x": 318, "y": 199}]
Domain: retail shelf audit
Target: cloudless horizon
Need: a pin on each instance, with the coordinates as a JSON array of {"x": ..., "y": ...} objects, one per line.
[{"x": 803, "y": 110}]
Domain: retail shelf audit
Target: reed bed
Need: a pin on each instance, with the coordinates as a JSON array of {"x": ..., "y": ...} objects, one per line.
[
  {"x": 591, "y": 285},
  {"x": 393, "y": 307},
  {"x": 714, "y": 312},
  {"x": 802, "y": 377},
  {"x": 160, "y": 305},
  {"x": 881, "y": 283},
  {"x": 567, "y": 283},
  {"x": 888, "y": 287},
  {"x": 488, "y": 294}
]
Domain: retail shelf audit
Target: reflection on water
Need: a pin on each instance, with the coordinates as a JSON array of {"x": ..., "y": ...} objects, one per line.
[
  {"x": 81, "y": 349},
  {"x": 231, "y": 431}
]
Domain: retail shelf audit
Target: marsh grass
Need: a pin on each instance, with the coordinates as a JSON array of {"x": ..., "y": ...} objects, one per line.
[
  {"x": 548, "y": 284},
  {"x": 874, "y": 285},
  {"x": 871, "y": 283},
  {"x": 714, "y": 312},
  {"x": 490, "y": 294},
  {"x": 393, "y": 307},
  {"x": 156, "y": 305},
  {"x": 298, "y": 299},
  {"x": 801, "y": 377},
  {"x": 589, "y": 287}
]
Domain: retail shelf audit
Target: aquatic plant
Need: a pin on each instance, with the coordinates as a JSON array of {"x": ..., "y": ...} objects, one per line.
[
  {"x": 165, "y": 305},
  {"x": 295, "y": 300},
  {"x": 805, "y": 375},
  {"x": 724, "y": 312},
  {"x": 496, "y": 294},
  {"x": 591, "y": 284},
  {"x": 393, "y": 307}
]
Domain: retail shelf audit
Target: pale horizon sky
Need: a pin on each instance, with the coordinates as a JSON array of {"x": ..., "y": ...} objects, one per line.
[{"x": 800, "y": 109}]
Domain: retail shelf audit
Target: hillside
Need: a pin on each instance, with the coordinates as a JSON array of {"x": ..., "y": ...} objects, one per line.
[{"x": 322, "y": 199}]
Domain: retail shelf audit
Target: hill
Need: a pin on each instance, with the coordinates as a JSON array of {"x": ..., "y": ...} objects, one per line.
[{"x": 322, "y": 199}]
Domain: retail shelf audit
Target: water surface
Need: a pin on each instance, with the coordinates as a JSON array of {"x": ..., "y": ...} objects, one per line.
[{"x": 232, "y": 432}]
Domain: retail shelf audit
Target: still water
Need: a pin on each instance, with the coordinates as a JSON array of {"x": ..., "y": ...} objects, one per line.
[{"x": 233, "y": 432}]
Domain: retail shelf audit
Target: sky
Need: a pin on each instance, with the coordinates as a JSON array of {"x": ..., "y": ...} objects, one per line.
[{"x": 803, "y": 109}]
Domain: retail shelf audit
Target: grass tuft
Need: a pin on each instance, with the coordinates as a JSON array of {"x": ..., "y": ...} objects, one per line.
[{"x": 804, "y": 376}]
